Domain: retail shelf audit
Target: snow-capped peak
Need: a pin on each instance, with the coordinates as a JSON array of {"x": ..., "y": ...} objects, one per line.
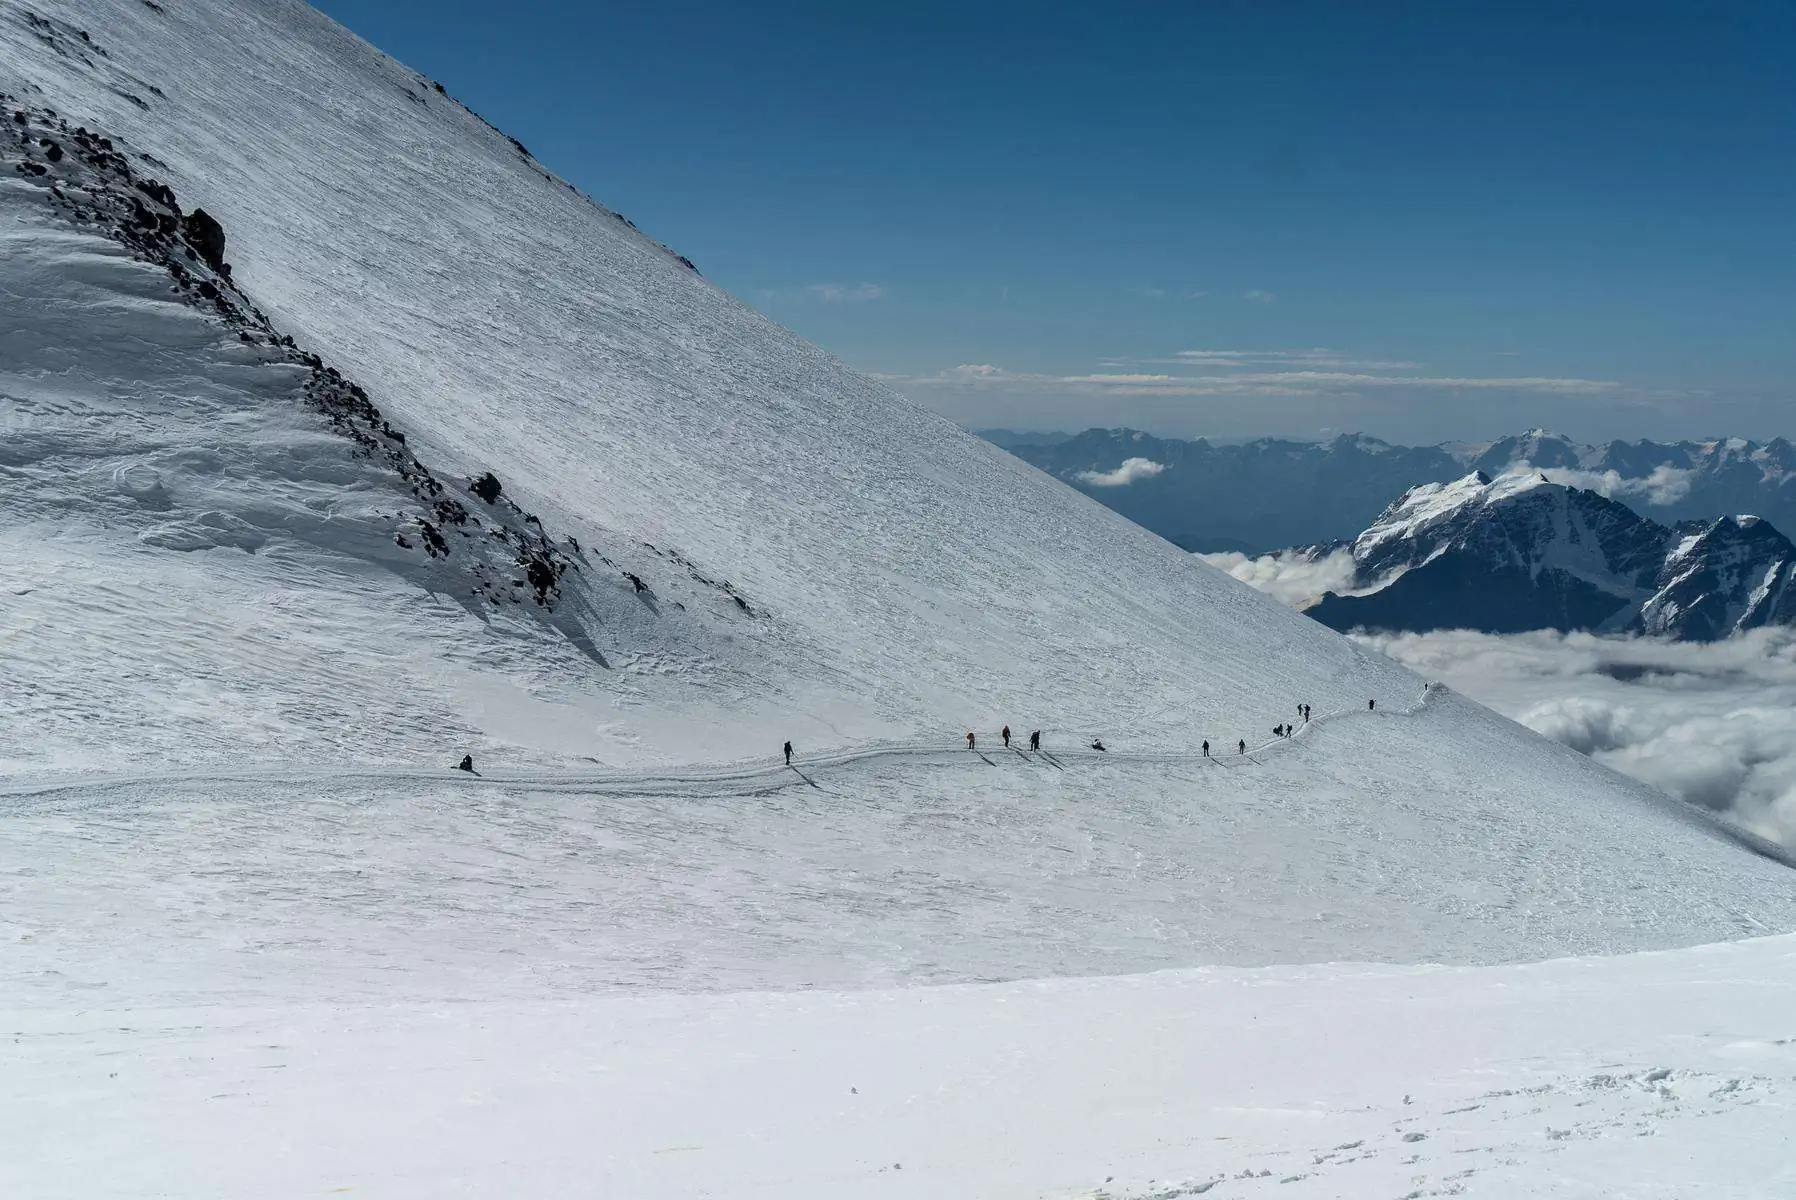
[{"x": 1518, "y": 552}]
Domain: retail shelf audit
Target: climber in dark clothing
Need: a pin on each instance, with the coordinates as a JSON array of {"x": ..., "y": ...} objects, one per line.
[
  {"x": 1098, "y": 744},
  {"x": 466, "y": 764},
  {"x": 788, "y": 754},
  {"x": 1241, "y": 747},
  {"x": 969, "y": 739},
  {"x": 1035, "y": 740},
  {"x": 1006, "y": 732},
  {"x": 1206, "y": 749},
  {"x": 1371, "y": 706}
]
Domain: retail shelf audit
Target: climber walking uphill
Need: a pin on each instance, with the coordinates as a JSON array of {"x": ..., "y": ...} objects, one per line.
[
  {"x": 1371, "y": 706},
  {"x": 788, "y": 754},
  {"x": 466, "y": 764},
  {"x": 1098, "y": 744},
  {"x": 1035, "y": 740},
  {"x": 1241, "y": 746},
  {"x": 970, "y": 742},
  {"x": 1006, "y": 734}
]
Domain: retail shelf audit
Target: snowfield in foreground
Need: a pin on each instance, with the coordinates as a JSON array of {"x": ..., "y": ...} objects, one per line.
[
  {"x": 257, "y": 592},
  {"x": 1665, "y": 1075}
]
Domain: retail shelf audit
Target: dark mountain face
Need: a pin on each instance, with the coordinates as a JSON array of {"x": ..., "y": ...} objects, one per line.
[
  {"x": 1720, "y": 578},
  {"x": 1517, "y": 553},
  {"x": 1262, "y": 495}
]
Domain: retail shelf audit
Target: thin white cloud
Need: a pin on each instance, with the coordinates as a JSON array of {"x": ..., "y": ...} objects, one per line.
[
  {"x": 1131, "y": 470},
  {"x": 1665, "y": 485},
  {"x": 1712, "y": 723},
  {"x": 1160, "y": 293},
  {"x": 1260, "y": 296},
  {"x": 845, "y": 293},
  {"x": 1289, "y": 576},
  {"x": 1245, "y": 382},
  {"x": 1316, "y": 357}
]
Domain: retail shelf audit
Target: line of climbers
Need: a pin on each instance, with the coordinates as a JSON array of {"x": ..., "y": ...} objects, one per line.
[{"x": 1282, "y": 731}]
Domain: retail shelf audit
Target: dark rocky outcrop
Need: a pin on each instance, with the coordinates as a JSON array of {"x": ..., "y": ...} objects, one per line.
[
  {"x": 487, "y": 487},
  {"x": 207, "y": 237}
]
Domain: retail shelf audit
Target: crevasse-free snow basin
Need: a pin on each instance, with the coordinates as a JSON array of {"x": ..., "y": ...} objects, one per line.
[{"x": 237, "y": 666}]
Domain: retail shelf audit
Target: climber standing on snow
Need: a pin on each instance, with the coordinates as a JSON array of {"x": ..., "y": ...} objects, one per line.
[
  {"x": 788, "y": 754},
  {"x": 1006, "y": 733},
  {"x": 1241, "y": 746},
  {"x": 969, "y": 739},
  {"x": 1206, "y": 749},
  {"x": 1035, "y": 740},
  {"x": 1371, "y": 706}
]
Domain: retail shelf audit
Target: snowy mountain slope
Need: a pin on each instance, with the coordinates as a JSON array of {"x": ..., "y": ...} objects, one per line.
[
  {"x": 1518, "y": 552},
  {"x": 900, "y": 574},
  {"x": 207, "y": 505}
]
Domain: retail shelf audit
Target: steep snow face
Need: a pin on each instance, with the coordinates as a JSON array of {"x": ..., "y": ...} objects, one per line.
[
  {"x": 893, "y": 573},
  {"x": 215, "y": 545}
]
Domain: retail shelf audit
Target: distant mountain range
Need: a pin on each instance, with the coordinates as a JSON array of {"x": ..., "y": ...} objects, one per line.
[
  {"x": 1518, "y": 552},
  {"x": 1270, "y": 493}
]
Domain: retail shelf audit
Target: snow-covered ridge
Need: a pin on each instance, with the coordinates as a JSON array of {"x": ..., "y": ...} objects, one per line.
[{"x": 1520, "y": 552}]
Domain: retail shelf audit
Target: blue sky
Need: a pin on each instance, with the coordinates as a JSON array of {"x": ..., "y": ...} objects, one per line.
[{"x": 1222, "y": 218}]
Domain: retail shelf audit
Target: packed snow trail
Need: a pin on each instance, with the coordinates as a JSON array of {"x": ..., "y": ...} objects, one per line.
[{"x": 726, "y": 779}]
